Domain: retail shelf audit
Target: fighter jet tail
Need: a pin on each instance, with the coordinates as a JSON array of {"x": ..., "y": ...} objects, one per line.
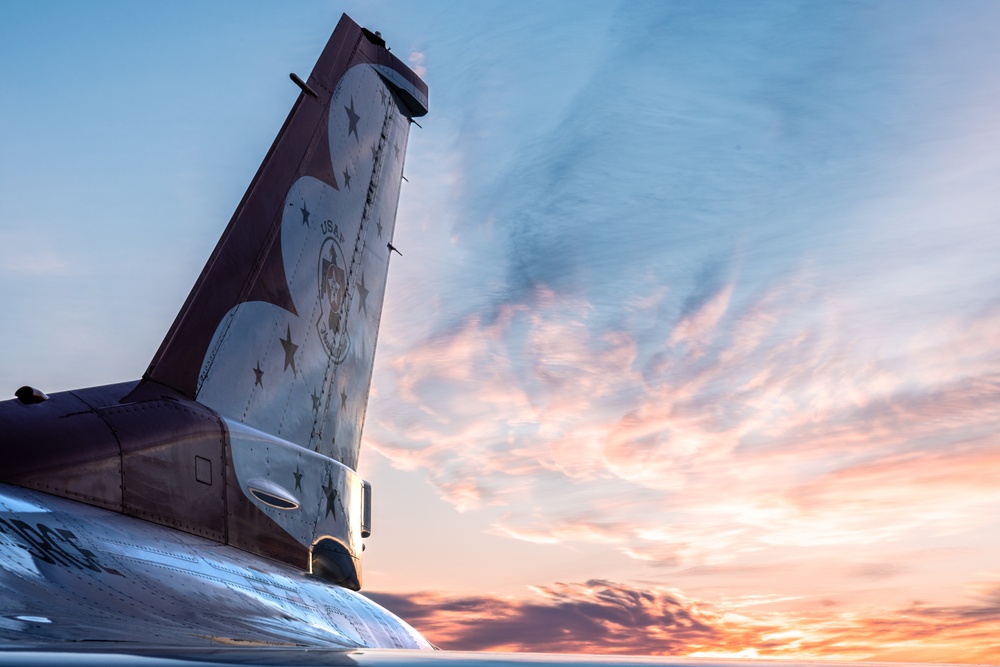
[
  {"x": 247, "y": 424},
  {"x": 279, "y": 331}
]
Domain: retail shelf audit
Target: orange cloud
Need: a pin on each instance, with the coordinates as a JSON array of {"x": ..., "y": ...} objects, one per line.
[{"x": 605, "y": 617}]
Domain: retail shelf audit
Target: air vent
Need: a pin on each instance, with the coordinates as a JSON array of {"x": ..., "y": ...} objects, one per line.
[{"x": 272, "y": 495}]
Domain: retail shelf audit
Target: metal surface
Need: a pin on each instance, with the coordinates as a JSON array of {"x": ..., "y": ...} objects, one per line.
[
  {"x": 73, "y": 573},
  {"x": 248, "y": 265},
  {"x": 302, "y": 372},
  {"x": 247, "y": 426},
  {"x": 169, "y": 502}
]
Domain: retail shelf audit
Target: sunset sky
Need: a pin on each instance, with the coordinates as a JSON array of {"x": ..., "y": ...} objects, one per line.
[{"x": 694, "y": 343}]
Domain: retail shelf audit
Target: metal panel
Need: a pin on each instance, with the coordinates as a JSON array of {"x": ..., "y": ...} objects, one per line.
[
  {"x": 60, "y": 446},
  {"x": 166, "y": 446}
]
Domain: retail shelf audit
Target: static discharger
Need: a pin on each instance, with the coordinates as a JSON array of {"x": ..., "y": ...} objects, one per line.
[{"x": 303, "y": 85}]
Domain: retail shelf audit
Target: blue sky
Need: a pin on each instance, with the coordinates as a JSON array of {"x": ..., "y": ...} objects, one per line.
[{"x": 696, "y": 299}]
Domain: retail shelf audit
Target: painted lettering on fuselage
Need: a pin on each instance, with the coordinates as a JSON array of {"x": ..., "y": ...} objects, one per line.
[{"x": 49, "y": 545}]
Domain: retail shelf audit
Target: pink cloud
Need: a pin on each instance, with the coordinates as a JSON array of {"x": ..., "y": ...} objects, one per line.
[
  {"x": 777, "y": 433},
  {"x": 417, "y": 59}
]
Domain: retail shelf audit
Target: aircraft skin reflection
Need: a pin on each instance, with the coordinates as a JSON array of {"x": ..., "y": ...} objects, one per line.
[{"x": 82, "y": 574}]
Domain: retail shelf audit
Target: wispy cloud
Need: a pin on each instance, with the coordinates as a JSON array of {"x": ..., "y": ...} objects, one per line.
[
  {"x": 33, "y": 253},
  {"x": 812, "y": 443},
  {"x": 731, "y": 308},
  {"x": 416, "y": 61}
]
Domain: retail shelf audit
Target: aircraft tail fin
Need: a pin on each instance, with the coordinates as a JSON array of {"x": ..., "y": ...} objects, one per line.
[
  {"x": 279, "y": 331},
  {"x": 246, "y": 427},
  {"x": 278, "y": 334}
]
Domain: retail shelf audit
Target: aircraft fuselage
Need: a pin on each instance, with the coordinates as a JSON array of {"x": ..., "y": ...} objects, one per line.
[{"x": 70, "y": 572}]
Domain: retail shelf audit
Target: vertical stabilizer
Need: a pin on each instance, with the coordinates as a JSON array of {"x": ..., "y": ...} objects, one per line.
[
  {"x": 278, "y": 335},
  {"x": 246, "y": 427},
  {"x": 279, "y": 331}
]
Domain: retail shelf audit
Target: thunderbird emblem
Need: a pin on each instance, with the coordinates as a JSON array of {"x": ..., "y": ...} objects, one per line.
[{"x": 332, "y": 297}]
